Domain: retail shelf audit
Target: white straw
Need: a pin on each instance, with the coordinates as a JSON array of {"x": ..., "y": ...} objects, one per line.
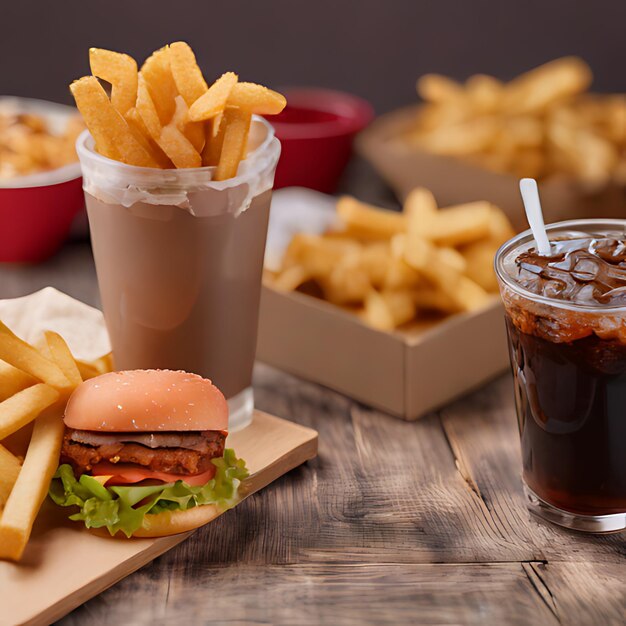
[{"x": 534, "y": 215}]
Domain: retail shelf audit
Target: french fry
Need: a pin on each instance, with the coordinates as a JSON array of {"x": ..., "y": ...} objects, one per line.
[
  {"x": 213, "y": 101},
  {"x": 537, "y": 89},
  {"x": 179, "y": 148},
  {"x": 121, "y": 71},
  {"x": 374, "y": 259},
  {"x": 157, "y": 75},
  {"x": 256, "y": 99},
  {"x": 23, "y": 356},
  {"x": 318, "y": 255},
  {"x": 419, "y": 205},
  {"x": 87, "y": 370},
  {"x": 424, "y": 256},
  {"x": 234, "y": 144},
  {"x": 588, "y": 155},
  {"x": 401, "y": 305},
  {"x": 453, "y": 258},
  {"x": 193, "y": 131},
  {"x": 400, "y": 275},
  {"x": 523, "y": 131},
  {"x": 13, "y": 380},
  {"x": 387, "y": 310},
  {"x": 104, "y": 363},
  {"x": 290, "y": 278},
  {"x": 357, "y": 233},
  {"x": 453, "y": 226},
  {"x": 147, "y": 110},
  {"x": 469, "y": 296},
  {"x": 439, "y": 89},
  {"x": 500, "y": 229},
  {"x": 479, "y": 257},
  {"x": 429, "y": 298},
  {"x": 450, "y": 257},
  {"x": 370, "y": 219},
  {"x": 41, "y": 345},
  {"x": 32, "y": 483},
  {"x": 347, "y": 283},
  {"x": 461, "y": 139},
  {"x": 169, "y": 138},
  {"x": 142, "y": 135},
  {"x": 187, "y": 75},
  {"x": 9, "y": 469},
  {"x": 484, "y": 93},
  {"x": 90, "y": 369},
  {"x": 62, "y": 356},
  {"x": 24, "y": 406},
  {"x": 109, "y": 129},
  {"x": 428, "y": 260},
  {"x": 214, "y": 139}
]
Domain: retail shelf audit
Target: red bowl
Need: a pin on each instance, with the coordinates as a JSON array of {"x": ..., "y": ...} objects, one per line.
[
  {"x": 37, "y": 211},
  {"x": 316, "y": 130}
]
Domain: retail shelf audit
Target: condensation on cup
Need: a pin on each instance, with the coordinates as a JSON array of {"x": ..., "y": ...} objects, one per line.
[{"x": 179, "y": 260}]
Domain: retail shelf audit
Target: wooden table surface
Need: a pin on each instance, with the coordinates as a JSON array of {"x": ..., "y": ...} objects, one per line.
[{"x": 393, "y": 523}]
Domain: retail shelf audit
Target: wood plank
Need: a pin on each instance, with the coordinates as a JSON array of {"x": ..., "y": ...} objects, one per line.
[
  {"x": 586, "y": 592},
  {"x": 483, "y": 436},
  {"x": 311, "y": 594},
  {"x": 379, "y": 487},
  {"x": 67, "y": 564}
]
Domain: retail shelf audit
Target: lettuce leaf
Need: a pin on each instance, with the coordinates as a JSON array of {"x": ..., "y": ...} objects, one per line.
[{"x": 123, "y": 508}]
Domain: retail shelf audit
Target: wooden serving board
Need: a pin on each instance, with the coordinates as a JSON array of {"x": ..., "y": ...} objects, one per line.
[{"x": 64, "y": 565}]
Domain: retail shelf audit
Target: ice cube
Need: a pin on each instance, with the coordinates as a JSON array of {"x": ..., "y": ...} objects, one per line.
[
  {"x": 586, "y": 268},
  {"x": 585, "y": 295},
  {"x": 553, "y": 288}
]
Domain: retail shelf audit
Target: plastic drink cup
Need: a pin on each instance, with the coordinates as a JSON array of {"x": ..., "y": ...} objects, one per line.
[
  {"x": 179, "y": 260},
  {"x": 566, "y": 323}
]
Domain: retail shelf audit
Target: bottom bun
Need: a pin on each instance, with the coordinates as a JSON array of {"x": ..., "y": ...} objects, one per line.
[{"x": 170, "y": 522}]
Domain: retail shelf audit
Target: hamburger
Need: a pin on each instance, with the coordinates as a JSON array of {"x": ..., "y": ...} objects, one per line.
[{"x": 144, "y": 454}]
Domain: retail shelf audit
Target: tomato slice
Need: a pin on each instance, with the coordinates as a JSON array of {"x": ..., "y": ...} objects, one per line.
[{"x": 127, "y": 474}]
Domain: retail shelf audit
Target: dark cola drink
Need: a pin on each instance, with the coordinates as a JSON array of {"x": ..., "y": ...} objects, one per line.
[{"x": 566, "y": 323}]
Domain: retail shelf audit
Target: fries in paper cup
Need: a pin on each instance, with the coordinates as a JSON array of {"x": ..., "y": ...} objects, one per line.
[{"x": 165, "y": 115}]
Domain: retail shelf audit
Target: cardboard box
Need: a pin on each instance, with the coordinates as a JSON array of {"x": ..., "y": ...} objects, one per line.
[
  {"x": 407, "y": 372},
  {"x": 454, "y": 181}
]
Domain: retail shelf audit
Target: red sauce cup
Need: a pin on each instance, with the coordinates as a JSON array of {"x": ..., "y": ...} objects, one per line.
[
  {"x": 37, "y": 211},
  {"x": 316, "y": 131}
]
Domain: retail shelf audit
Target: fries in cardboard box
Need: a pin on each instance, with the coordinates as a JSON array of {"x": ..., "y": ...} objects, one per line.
[
  {"x": 543, "y": 123},
  {"x": 391, "y": 268}
]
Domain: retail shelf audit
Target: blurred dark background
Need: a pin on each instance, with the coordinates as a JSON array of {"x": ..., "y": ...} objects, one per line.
[{"x": 374, "y": 48}]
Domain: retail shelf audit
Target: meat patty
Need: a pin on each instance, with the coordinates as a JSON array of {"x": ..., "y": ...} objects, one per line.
[
  {"x": 175, "y": 460},
  {"x": 189, "y": 440}
]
